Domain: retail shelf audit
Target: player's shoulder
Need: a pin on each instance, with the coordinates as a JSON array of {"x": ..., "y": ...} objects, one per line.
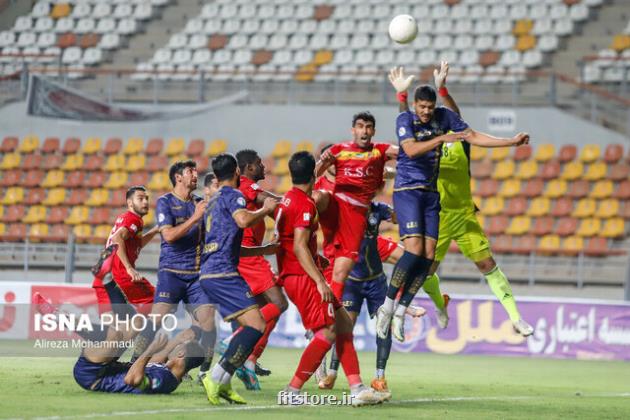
[
  {"x": 164, "y": 198},
  {"x": 444, "y": 113},
  {"x": 338, "y": 147},
  {"x": 405, "y": 116}
]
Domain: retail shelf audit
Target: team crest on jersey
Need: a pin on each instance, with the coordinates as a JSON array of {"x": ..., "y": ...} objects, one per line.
[
  {"x": 307, "y": 217},
  {"x": 255, "y": 187},
  {"x": 133, "y": 227},
  {"x": 402, "y": 131},
  {"x": 372, "y": 220},
  {"x": 240, "y": 201},
  {"x": 161, "y": 217}
]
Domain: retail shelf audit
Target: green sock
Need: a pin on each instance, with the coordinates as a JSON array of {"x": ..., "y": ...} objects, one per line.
[
  {"x": 502, "y": 290},
  {"x": 432, "y": 288}
]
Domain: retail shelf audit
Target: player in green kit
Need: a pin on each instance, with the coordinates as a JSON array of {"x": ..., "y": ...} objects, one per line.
[{"x": 457, "y": 215}]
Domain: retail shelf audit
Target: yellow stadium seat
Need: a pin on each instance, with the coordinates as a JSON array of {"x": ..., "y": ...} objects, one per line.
[
  {"x": 282, "y": 167},
  {"x": 78, "y": 215},
  {"x": 306, "y": 73},
  {"x": 538, "y": 207},
  {"x": 613, "y": 228},
  {"x": 589, "y": 227},
  {"x": 136, "y": 163},
  {"x": 13, "y": 195},
  {"x": 306, "y": 146},
  {"x": 549, "y": 243},
  {"x": 82, "y": 231},
  {"x": 477, "y": 201},
  {"x": 590, "y": 153},
  {"x": 159, "y": 181},
  {"x": 73, "y": 162},
  {"x": 620, "y": 42},
  {"x": 481, "y": 219},
  {"x": 595, "y": 171},
  {"x": 10, "y": 161},
  {"x": 607, "y": 208},
  {"x": 102, "y": 231},
  {"x": 177, "y": 158},
  {"x": 510, "y": 188},
  {"x": 584, "y": 208},
  {"x": 53, "y": 179},
  {"x": 602, "y": 189},
  {"x": 573, "y": 244},
  {"x": 92, "y": 145},
  {"x": 519, "y": 225},
  {"x": 29, "y": 144},
  {"x": 572, "y": 170},
  {"x": 544, "y": 152},
  {"x": 284, "y": 185},
  {"x": 477, "y": 153},
  {"x": 322, "y": 57},
  {"x": 60, "y": 10},
  {"x": 216, "y": 147},
  {"x": 134, "y": 146},
  {"x": 175, "y": 147},
  {"x": 35, "y": 214},
  {"x": 149, "y": 218},
  {"x": 473, "y": 186},
  {"x": 492, "y": 206},
  {"x": 281, "y": 149},
  {"x": 115, "y": 163},
  {"x": 499, "y": 153},
  {"x": 555, "y": 188},
  {"x": 55, "y": 197},
  {"x": 37, "y": 231},
  {"x": 503, "y": 169},
  {"x": 3, "y": 229},
  {"x": 527, "y": 169},
  {"x": 522, "y": 27},
  {"x": 525, "y": 42},
  {"x": 98, "y": 197},
  {"x": 117, "y": 180}
]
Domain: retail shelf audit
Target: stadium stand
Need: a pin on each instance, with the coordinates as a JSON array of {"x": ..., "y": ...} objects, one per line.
[{"x": 612, "y": 64}]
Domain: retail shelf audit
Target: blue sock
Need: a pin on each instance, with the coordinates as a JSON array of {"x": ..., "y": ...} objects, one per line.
[
  {"x": 239, "y": 349},
  {"x": 405, "y": 270},
  {"x": 415, "y": 283},
  {"x": 383, "y": 348}
]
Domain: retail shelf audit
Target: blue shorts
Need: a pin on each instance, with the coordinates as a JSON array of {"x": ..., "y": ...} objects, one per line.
[
  {"x": 372, "y": 291},
  {"x": 231, "y": 295},
  {"x": 418, "y": 213},
  {"x": 174, "y": 288},
  {"x": 110, "y": 377}
]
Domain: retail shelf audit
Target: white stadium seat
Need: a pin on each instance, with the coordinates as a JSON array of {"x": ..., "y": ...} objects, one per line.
[
  {"x": 242, "y": 57},
  {"x": 110, "y": 41},
  {"x": 92, "y": 56},
  {"x": 41, "y": 9},
  {"x": 542, "y": 26},
  {"x": 65, "y": 24},
  {"x": 127, "y": 26},
  {"x": 547, "y": 43},
  {"x": 81, "y": 10},
  {"x": 23, "y": 23},
  {"x": 308, "y": 27},
  {"x": 71, "y": 55},
  {"x": 46, "y": 39},
  {"x": 563, "y": 27},
  {"x": 181, "y": 56},
  {"x": 26, "y": 39},
  {"x": 102, "y": 10},
  {"x": 7, "y": 38},
  {"x": 44, "y": 24},
  {"x": 143, "y": 11},
  {"x": 298, "y": 42},
  {"x": 302, "y": 57},
  {"x": 162, "y": 56},
  {"x": 194, "y": 26},
  {"x": 201, "y": 56}
]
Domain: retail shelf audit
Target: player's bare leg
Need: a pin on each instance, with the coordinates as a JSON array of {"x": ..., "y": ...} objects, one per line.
[{"x": 341, "y": 269}]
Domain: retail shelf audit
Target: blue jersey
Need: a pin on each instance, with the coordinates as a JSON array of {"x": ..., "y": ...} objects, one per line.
[
  {"x": 222, "y": 246},
  {"x": 423, "y": 171},
  {"x": 184, "y": 255},
  {"x": 369, "y": 265}
]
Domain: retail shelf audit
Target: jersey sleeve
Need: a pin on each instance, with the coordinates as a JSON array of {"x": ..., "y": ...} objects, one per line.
[
  {"x": 130, "y": 224},
  {"x": 335, "y": 149},
  {"x": 382, "y": 147},
  {"x": 454, "y": 121},
  {"x": 404, "y": 127},
  {"x": 163, "y": 213},
  {"x": 235, "y": 202},
  {"x": 251, "y": 191},
  {"x": 303, "y": 214}
]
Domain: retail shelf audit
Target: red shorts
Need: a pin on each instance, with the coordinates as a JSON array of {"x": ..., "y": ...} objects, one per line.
[
  {"x": 350, "y": 230},
  {"x": 139, "y": 294},
  {"x": 385, "y": 247},
  {"x": 257, "y": 273},
  {"x": 315, "y": 314}
]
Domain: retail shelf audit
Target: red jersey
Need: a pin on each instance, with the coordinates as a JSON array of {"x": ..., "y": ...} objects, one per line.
[
  {"x": 297, "y": 209},
  {"x": 253, "y": 235},
  {"x": 358, "y": 172},
  {"x": 134, "y": 224},
  {"x": 324, "y": 184},
  {"x": 328, "y": 218}
]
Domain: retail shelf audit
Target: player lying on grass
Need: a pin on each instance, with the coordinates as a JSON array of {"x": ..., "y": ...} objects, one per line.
[
  {"x": 306, "y": 286},
  {"x": 457, "y": 215}
]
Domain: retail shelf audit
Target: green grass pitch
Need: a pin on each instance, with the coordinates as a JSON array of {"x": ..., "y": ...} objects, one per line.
[{"x": 423, "y": 386}]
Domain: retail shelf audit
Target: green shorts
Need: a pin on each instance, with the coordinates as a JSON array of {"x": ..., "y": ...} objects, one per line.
[{"x": 463, "y": 228}]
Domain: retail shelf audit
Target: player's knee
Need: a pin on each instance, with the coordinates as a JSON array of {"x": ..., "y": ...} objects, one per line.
[
  {"x": 282, "y": 304},
  {"x": 486, "y": 265},
  {"x": 329, "y": 333}
]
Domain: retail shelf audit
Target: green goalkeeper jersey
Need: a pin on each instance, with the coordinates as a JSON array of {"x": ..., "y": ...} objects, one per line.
[{"x": 454, "y": 180}]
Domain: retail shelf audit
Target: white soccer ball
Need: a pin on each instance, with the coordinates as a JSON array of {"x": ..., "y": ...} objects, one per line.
[{"x": 403, "y": 29}]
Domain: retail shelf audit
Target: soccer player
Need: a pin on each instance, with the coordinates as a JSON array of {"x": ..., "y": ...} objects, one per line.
[
  {"x": 256, "y": 270},
  {"x": 179, "y": 218},
  {"x": 457, "y": 214},
  {"x": 359, "y": 167},
  {"x": 125, "y": 242},
  {"x": 305, "y": 285},
  {"x": 210, "y": 186},
  {"x": 225, "y": 218}
]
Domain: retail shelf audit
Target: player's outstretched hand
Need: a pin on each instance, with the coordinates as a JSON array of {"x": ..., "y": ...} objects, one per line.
[
  {"x": 398, "y": 80},
  {"x": 134, "y": 274},
  {"x": 270, "y": 205},
  {"x": 325, "y": 291},
  {"x": 200, "y": 209},
  {"x": 439, "y": 77},
  {"x": 520, "y": 139}
]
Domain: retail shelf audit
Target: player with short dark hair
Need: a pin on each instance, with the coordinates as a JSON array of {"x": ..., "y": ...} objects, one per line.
[
  {"x": 179, "y": 168},
  {"x": 210, "y": 186},
  {"x": 306, "y": 286},
  {"x": 225, "y": 218}
]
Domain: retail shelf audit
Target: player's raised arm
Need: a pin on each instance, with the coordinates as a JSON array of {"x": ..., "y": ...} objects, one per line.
[
  {"x": 135, "y": 376},
  {"x": 301, "y": 237},
  {"x": 245, "y": 218},
  {"x": 439, "y": 77},
  {"x": 401, "y": 83},
  {"x": 486, "y": 140},
  {"x": 415, "y": 149},
  {"x": 325, "y": 160}
]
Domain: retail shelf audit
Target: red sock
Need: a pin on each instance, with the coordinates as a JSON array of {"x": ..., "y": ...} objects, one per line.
[
  {"x": 348, "y": 357},
  {"x": 311, "y": 358},
  {"x": 400, "y": 292},
  {"x": 337, "y": 289},
  {"x": 270, "y": 311},
  {"x": 262, "y": 343}
]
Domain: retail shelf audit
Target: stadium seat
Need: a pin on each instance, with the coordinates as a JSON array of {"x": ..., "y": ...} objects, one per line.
[
  {"x": 596, "y": 171},
  {"x": 555, "y": 188},
  {"x": 618, "y": 172},
  {"x": 572, "y": 170},
  {"x": 78, "y": 196},
  {"x": 116, "y": 180},
  {"x": 477, "y": 153},
  {"x": 545, "y": 152},
  {"x": 115, "y": 163},
  {"x": 10, "y": 161},
  {"x": 487, "y": 188},
  {"x": 519, "y": 225},
  {"x": 51, "y": 145},
  {"x": 157, "y": 163},
  {"x": 504, "y": 169},
  {"x": 53, "y": 179},
  {"x": 175, "y": 147},
  {"x": 136, "y": 163},
  {"x": 32, "y": 161},
  {"x": 13, "y": 195},
  {"x": 33, "y": 178},
  {"x": 572, "y": 245},
  {"x": 522, "y": 153},
  {"x": 567, "y": 153},
  {"x": 134, "y": 146},
  {"x": 100, "y": 215},
  {"x": 499, "y": 153},
  {"x": 203, "y": 164},
  {"x": 622, "y": 191},
  {"x": 72, "y": 162},
  {"x": 608, "y": 208},
  {"x": 496, "y": 225},
  {"x": 38, "y": 232},
  {"x": 52, "y": 162},
  {"x": 13, "y": 213},
  {"x": 566, "y": 226},
  {"x": 523, "y": 245},
  {"x": 216, "y": 147},
  {"x": 492, "y": 206},
  {"x": 304, "y": 146},
  {"x": 176, "y": 158},
  {"x": 57, "y": 215},
  {"x": 549, "y": 244},
  {"x": 82, "y": 232},
  {"x": 9, "y": 144},
  {"x": 481, "y": 169},
  {"x": 578, "y": 189},
  {"x": 15, "y": 232},
  {"x": 527, "y": 169},
  {"x": 10, "y": 178},
  {"x": 154, "y": 147},
  {"x": 35, "y": 214},
  {"x": 613, "y": 153},
  {"x": 195, "y": 148},
  {"x": 590, "y": 153},
  {"x": 584, "y": 208},
  {"x": 98, "y": 197},
  {"x": 138, "y": 178},
  {"x": 602, "y": 189},
  {"x": 159, "y": 181},
  {"x": 539, "y": 207},
  {"x": 113, "y": 146},
  {"x": 284, "y": 185},
  {"x": 78, "y": 215},
  {"x": 29, "y": 144},
  {"x": 550, "y": 170},
  {"x": 282, "y": 167},
  {"x": 542, "y": 226},
  {"x": 533, "y": 188},
  {"x": 596, "y": 247},
  {"x": 516, "y": 207},
  {"x": 102, "y": 231},
  {"x": 55, "y": 197},
  {"x": 589, "y": 227},
  {"x": 34, "y": 196},
  {"x": 92, "y": 145},
  {"x": 71, "y": 145},
  {"x": 117, "y": 198},
  {"x": 613, "y": 228},
  {"x": 281, "y": 149}
]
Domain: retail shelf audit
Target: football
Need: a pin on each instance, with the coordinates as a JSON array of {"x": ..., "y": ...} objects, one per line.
[{"x": 403, "y": 29}]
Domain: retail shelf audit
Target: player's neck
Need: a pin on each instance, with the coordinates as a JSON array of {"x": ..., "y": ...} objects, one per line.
[
  {"x": 181, "y": 192},
  {"x": 306, "y": 188},
  {"x": 228, "y": 183}
]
